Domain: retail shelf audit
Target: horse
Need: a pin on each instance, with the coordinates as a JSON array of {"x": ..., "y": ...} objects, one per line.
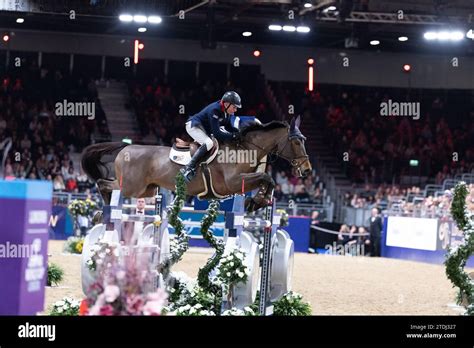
[{"x": 137, "y": 170}]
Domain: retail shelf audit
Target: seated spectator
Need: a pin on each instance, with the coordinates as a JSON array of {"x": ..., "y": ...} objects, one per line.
[
  {"x": 71, "y": 185},
  {"x": 278, "y": 193},
  {"x": 317, "y": 196},
  {"x": 281, "y": 178},
  {"x": 365, "y": 241},
  {"x": 302, "y": 196},
  {"x": 340, "y": 237},
  {"x": 58, "y": 183},
  {"x": 83, "y": 182},
  {"x": 70, "y": 174}
]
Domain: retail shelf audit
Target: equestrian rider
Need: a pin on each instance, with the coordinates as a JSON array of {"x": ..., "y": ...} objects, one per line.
[{"x": 213, "y": 119}]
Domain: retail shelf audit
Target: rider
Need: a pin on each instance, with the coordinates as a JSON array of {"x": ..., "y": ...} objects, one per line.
[{"x": 213, "y": 119}]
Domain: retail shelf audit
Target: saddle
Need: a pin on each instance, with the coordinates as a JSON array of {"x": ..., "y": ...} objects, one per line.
[{"x": 182, "y": 151}]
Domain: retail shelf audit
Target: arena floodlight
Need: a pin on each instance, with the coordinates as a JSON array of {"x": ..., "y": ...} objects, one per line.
[
  {"x": 308, "y": 5},
  {"x": 330, "y": 8},
  {"x": 141, "y": 30},
  {"x": 126, "y": 18},
  {"x": 247, "y": 33},
  {"x": 139, "y": 19},
  {"x": 303, "y": 29},
  {"x": 275, "y": 27},
  {"x": 154, "y": 19},
  {"x": 470, "y": 34},
  {"x": 20, "y": 20},
  {"x": 443, "y": 35},
  {"x": 456, "y": 35},
  {"x": 289, "y": 28},
  {"x": 453, "y": 35},
  {"x": 375, "y": 42},
  {"x": 430, "y": 35},
  {"x": 403, "y": 38}
]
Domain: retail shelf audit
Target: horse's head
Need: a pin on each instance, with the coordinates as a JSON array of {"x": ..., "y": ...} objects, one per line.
[{"x": 293, "y": 150}]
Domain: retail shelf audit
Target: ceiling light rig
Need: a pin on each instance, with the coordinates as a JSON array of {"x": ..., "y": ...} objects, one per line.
[
  {"x": 303, "y": 29},
  {"x": 140, "y": 18}
]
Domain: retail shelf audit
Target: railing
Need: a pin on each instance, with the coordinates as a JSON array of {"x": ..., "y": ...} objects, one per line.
[
  {"x": 64, "y": 198},
  {"x": 326, "y": 211},
  {"x": 355, "y": 216}
]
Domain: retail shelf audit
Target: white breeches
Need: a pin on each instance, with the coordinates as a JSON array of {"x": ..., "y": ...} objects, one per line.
[{"x": 199, "y": 135}]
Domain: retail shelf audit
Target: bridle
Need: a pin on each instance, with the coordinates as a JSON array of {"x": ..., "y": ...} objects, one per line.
[{"x": 296, "y": 163}]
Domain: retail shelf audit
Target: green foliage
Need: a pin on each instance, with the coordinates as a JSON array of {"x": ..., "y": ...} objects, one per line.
[
  {"x": 67, "y": 307},
  {"x": 204, "y": 272},
  {"x": 291, "y": 304},
  {"x": 55, "y": 274},
  {"x": 457, "y": 257},
  {"x": 74, "y": 245},
  {"x": 82, "y": 207},
  {"x": 181, "y": 239}
]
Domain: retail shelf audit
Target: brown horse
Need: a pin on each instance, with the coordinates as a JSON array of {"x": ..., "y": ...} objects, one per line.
[{"x": 139, "y": 169}]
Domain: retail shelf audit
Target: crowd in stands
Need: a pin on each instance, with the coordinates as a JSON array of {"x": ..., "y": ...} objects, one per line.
[
  {"x": 379, "y": 149},
  {"x": 162, "y": 109},
  {"x": 300, "y": 190},
  {"x": 411, "y": 201},
  {"x": 43, "y": 141}
]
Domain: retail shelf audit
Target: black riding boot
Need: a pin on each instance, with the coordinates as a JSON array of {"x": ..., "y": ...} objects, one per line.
[{"x": 190, "y": 170}]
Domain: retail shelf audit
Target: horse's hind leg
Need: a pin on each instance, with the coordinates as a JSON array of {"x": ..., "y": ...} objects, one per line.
[{"x": 106, "y": 187}]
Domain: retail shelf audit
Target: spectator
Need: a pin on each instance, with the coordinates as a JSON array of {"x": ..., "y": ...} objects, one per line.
[
  {"x": 278, "y": 193},
  {"x": 375, "y": 231},
  {"x": 58, "y": 183}
]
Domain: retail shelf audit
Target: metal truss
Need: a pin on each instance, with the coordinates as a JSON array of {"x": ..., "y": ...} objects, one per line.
[{"x": 393, "y": 18}]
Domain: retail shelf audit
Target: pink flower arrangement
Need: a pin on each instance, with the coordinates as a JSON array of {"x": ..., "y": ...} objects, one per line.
[
  {"x": 134, "y": 304},
  {"x": 156, "y": 302},
  {"x": 122, "y": 288},
  {"x": 111, "y": 293}
]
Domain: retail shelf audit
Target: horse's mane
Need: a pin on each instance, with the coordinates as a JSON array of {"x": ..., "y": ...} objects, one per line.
[{"x": 264, "y": 126}]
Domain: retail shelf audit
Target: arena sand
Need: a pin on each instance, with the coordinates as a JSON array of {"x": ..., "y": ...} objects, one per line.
[{"x": 334, "y": 285}]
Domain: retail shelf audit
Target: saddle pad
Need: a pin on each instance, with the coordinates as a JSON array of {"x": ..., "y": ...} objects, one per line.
[
  {"x": 183, "y": 156},
  {"x": 180, "y": 157}
]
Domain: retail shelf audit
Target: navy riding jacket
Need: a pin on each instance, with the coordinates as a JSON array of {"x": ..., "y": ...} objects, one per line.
[{"x": 210, "y": 119}]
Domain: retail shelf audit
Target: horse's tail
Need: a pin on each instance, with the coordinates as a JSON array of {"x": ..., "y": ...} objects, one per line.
[{"x": 93, "y": 164}]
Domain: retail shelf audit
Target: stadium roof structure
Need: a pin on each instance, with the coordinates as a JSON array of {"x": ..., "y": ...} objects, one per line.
[{"x": 333, "y": 23}]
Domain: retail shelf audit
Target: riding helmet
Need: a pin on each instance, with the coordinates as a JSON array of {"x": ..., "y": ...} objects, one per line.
[{"x": 233, "y": 98}]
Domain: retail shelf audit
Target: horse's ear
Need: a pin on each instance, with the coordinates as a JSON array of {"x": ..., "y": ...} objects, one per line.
[
  {"x": 298, "y": 122},
  {"x": 292, "y": 124}
]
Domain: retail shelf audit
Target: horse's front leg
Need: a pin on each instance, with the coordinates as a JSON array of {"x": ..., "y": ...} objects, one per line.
[{"x": 250, "y": 182}]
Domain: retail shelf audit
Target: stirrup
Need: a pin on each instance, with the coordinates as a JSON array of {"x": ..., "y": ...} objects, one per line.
[{"x": 188, "y": 173}]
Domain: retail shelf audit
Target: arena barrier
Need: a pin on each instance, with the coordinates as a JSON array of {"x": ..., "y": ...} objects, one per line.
[{"x": 420, "y": 239}]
